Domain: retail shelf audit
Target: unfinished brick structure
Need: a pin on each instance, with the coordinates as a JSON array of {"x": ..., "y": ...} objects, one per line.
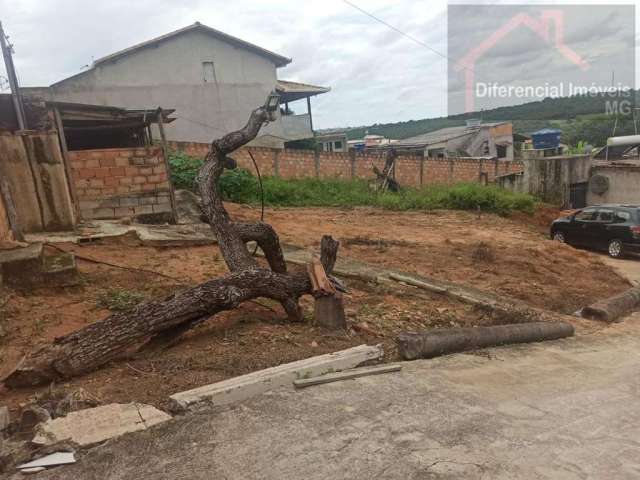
[
  {"x": 121, "y": 182},
  {"x": 410, "y": 170}
]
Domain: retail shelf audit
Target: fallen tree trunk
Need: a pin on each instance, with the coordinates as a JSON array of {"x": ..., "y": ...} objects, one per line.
[
  {"x": 613, "y": 308},
  {"x": 120, "y": 333},
  {"x": 412, "y": 346}
]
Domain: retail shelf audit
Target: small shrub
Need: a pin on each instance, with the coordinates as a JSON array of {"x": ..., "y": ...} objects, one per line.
[
  {"x": 239, "y": 186},
  {"x": 184, "y": 170},
  {"x": 119, "y": 299}
]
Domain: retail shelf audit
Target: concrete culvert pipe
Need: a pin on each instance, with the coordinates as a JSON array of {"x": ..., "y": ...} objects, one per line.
[
  {"x": 613, "y": 308},
  {"x": 434, "y": 343}
]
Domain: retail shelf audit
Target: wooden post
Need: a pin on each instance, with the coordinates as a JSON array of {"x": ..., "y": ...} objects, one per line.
[
  {"x": 165, "y": 154},
  {"x": 422, "y": 169},
  {"x": 67, "y": 163},
  {"x": 480, "y": 169},
  {"x": 13, "y": 81}
]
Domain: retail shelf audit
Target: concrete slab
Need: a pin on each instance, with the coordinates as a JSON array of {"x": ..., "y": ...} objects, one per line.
[
  {"x": 176, "y": 235},
  {"x": 30, "y": 252},
  {"x": 190, "y": 235},
  {"x": 246, "y": 386},
  {"x": 95, "y": 425}
]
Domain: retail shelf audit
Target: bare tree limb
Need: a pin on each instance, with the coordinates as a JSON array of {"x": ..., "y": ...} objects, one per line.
[{"x": 162, "y": 320}]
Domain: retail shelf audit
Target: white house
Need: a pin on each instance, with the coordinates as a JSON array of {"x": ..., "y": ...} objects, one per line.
[{"x": 211, "y": 79}]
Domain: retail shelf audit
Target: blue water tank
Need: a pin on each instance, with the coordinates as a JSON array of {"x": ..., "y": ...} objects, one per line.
[{"x": 546, "y": 138}]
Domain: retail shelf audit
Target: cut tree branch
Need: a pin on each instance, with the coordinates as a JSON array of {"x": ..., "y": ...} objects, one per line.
[{"x": 164, "y": 320}]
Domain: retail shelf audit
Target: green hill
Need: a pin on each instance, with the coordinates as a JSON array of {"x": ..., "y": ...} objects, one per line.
[{"x": 580, "y": 117}]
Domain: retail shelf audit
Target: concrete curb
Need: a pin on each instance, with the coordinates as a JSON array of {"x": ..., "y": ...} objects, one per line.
[{"x": 241, "y": 388}]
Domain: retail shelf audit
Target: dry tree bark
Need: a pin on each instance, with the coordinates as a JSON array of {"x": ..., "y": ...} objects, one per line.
[{"x": 108, "y": 339}]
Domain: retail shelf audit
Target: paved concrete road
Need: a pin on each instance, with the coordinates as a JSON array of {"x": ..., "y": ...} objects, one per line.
[
  {"x": 627, "y": 267},
  {"x": 568, "y": 409}
]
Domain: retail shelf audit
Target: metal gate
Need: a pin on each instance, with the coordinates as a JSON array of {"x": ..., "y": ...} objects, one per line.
[{"x": 578, "y": 195}]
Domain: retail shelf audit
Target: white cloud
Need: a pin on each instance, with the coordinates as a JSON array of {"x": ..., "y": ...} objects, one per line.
[{"x": 376, "y": 74}]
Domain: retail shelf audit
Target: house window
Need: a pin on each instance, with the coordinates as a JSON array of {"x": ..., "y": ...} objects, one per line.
[
  {"x": 502, "y": 151},
  {"x": 208, "y": 72},
  {"x": 337, "y": 146}
]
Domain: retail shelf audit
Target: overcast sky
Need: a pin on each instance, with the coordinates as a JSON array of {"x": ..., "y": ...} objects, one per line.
[{"x": 376, "y": 74}]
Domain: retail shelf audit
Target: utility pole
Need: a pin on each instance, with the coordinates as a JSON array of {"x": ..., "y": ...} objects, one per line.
[{"x": 13, "y": 79}]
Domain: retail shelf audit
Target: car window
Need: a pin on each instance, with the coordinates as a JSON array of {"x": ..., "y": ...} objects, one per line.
[
  {"x": 621, "y": 216},
  {"x": 606, "y": 216},
  {"x": 587, "y": 215}
]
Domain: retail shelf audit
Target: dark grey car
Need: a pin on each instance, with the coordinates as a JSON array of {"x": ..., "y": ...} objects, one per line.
[{"x": 615, "y": 228}]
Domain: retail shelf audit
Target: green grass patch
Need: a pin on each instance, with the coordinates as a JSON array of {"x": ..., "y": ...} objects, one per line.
[{"x": 241, "y": 186}]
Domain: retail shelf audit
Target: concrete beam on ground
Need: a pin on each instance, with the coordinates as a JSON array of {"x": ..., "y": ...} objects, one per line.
[{"x": 246, "y": 386}]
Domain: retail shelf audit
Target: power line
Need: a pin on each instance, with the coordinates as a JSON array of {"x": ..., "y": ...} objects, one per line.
[
  {"x": 396, "y": 29},
  {"x": 224, "y": 132}
]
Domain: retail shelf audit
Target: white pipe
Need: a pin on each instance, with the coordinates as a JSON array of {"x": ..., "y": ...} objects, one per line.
[{"x": 623, "y": 141}]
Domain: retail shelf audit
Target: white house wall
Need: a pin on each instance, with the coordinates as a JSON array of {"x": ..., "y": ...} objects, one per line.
[{"x": 171, "y": 75}]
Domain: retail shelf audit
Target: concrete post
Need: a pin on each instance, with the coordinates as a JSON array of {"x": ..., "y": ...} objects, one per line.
[
  {"x": 316, "y": 162},
  {"x": 276, "y": 162},
  {"x": 451, "y": 166},
  {"x": 352, "y": 160}
]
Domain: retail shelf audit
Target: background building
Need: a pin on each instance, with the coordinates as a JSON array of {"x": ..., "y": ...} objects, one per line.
[{"x": 212, "y": 79}]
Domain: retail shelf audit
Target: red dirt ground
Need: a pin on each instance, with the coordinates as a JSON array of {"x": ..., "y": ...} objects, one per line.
[{"x": 439, "y": 244}]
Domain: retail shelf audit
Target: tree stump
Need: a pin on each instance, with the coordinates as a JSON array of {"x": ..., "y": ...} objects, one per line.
[{"x": 328, "y": 312}]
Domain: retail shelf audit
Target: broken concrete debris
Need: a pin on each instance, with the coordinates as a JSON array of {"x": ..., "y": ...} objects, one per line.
[
  {"x": 51, "y": 460},
  {"x": 32, "y": 470},
  {"x": 350, "y": 374},
  {"x": 95, "y": 425},
  {"x": 241, "y": 388},
  {"x": 31, "y": 266}
]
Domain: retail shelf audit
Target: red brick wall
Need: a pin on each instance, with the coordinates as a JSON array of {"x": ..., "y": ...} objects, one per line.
[
  {"x": 120, "y": 182},
  {"x": 410, "y": 170}
]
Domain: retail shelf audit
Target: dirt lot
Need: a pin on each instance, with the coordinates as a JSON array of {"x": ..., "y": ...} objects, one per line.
[
  {"x": 519, "y": 263},
  {"x": 526, "y": 265}
]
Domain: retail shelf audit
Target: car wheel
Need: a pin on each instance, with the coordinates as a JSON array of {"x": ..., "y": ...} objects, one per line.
[
  {"x": 616, "y": 249},
  {"x": 559, "y": 237}
]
